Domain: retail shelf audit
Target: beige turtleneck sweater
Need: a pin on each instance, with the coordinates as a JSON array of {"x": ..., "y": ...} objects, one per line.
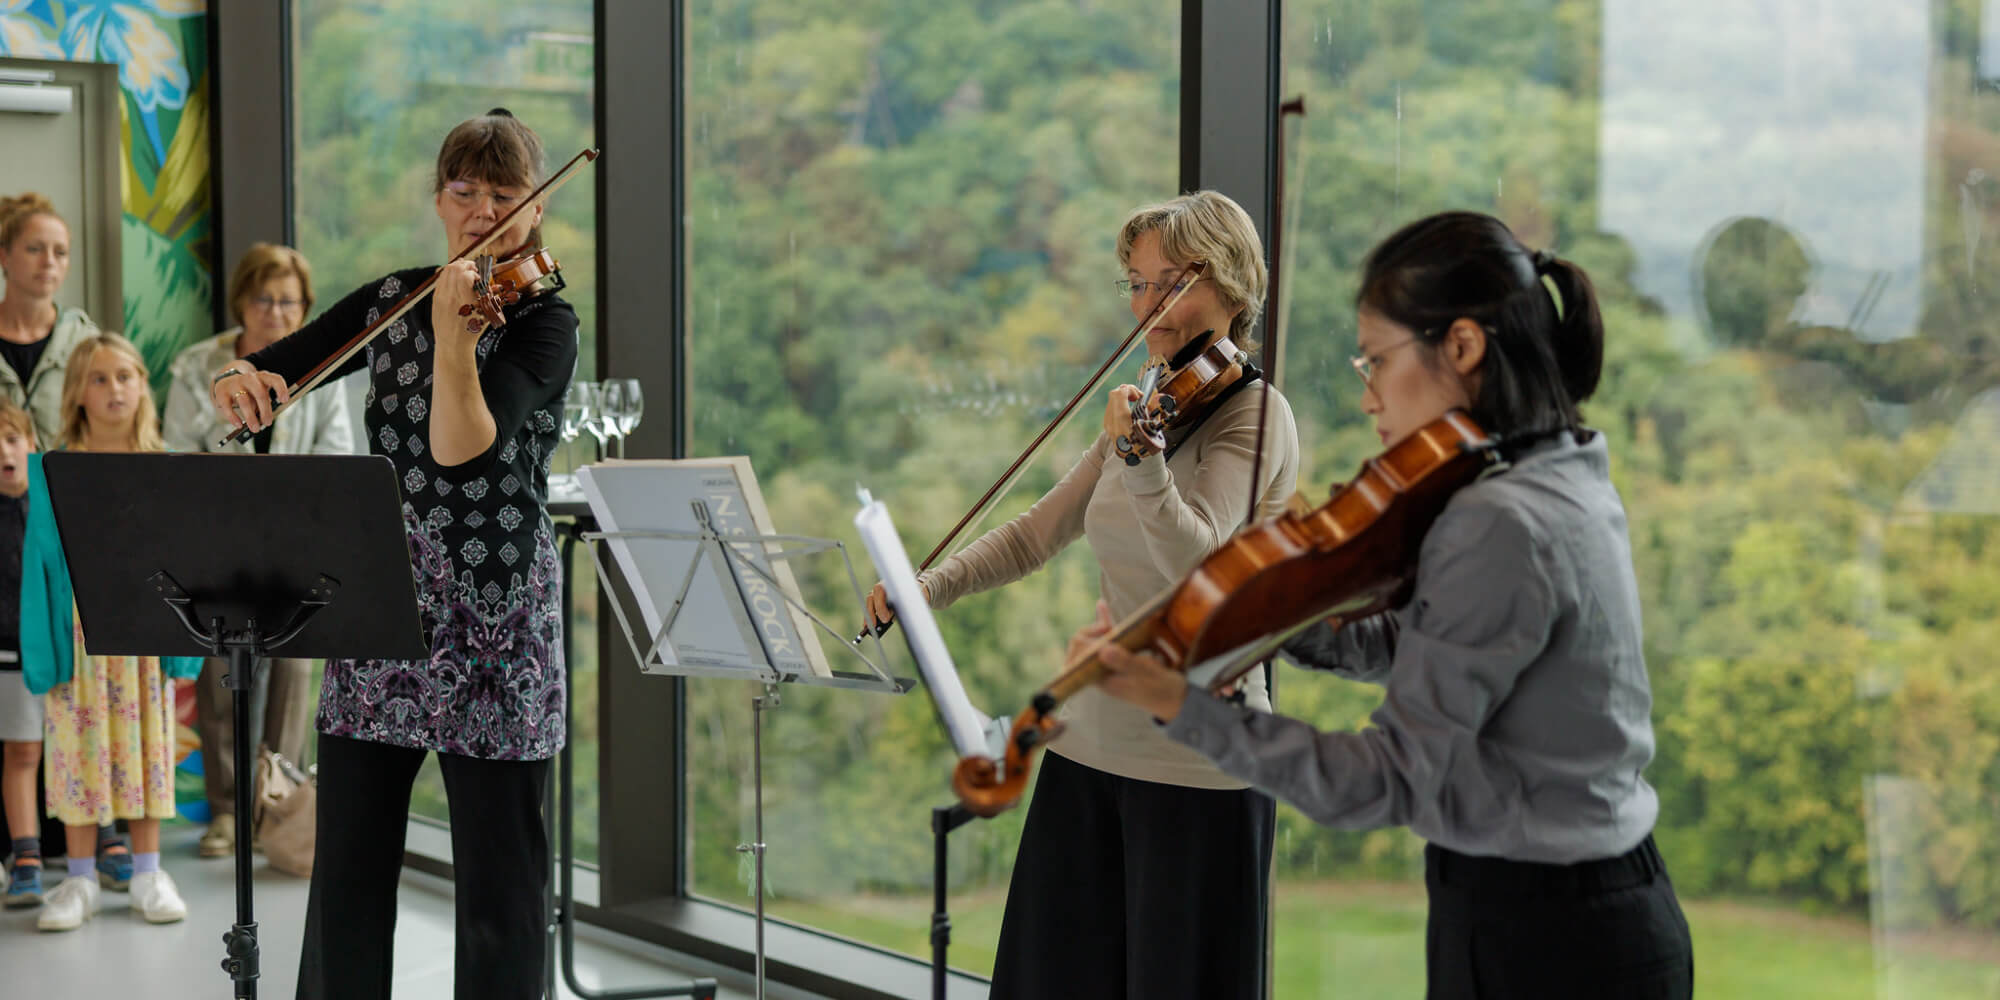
[{"x": 1148, "y": 525}]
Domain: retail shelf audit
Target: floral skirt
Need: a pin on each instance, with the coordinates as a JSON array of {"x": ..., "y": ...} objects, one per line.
[{"x": 110, "y": 740}]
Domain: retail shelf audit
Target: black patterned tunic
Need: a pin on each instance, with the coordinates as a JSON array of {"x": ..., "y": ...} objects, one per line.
[{"x": 481, "y": 545}]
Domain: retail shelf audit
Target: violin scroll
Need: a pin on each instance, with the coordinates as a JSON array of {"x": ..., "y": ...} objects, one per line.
[{"x": 988, "y": 787}]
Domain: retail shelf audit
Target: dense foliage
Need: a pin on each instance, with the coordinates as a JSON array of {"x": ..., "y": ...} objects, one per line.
[{"x": 900, "y": 234}]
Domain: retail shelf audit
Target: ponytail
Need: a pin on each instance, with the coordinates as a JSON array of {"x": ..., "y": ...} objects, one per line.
[{"x": 1578, "y": 337}]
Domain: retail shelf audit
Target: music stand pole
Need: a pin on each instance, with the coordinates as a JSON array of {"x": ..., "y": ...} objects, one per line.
[
  {"x": 564, "y": 905},
  {"x": 944, "y": 819},
  {"x": 243, "y": 648}
]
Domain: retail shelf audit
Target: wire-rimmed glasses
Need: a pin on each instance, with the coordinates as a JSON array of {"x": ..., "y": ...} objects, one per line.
[{"x": 1140, "y": 289}]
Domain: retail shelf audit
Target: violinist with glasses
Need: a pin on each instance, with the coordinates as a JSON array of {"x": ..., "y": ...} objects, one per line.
[
  {"x": 1126, "y": 827},
  {"x": 1515, "y": 724},
  {"x": 464, "y": 396}
]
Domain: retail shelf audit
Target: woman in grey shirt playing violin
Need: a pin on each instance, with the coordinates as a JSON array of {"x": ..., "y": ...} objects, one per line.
[{"x": 1516, "y": 717}]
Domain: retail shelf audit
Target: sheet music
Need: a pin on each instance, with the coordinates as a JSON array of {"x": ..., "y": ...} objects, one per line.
[
  {"x": 653, "y": 494},
  {"x": 966, "y": 726}
]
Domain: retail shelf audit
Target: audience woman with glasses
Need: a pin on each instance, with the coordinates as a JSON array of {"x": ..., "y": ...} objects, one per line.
[
  {"x": 1142, "y": 869},
  {"x": 270, "y": 293},
  {"x": 1516, "y": 721},
  {"x": 469, "y": 414}
]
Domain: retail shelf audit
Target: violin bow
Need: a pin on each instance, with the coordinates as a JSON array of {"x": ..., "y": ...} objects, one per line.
[
  {"x": 1274, "y": 303},
  {"x": 1151, "y": 319},
  {"x": 319, "y": 372}
]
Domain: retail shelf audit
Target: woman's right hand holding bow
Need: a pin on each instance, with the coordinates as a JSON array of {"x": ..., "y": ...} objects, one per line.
[{"x": 243, "y": 395}]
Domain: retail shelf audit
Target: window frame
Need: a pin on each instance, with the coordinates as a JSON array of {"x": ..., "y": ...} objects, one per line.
[{"x": 1230, "y": 75}]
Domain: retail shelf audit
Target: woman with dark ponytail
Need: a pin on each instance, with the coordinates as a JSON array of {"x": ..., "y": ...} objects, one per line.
[{"x": 1516, "y": 718}]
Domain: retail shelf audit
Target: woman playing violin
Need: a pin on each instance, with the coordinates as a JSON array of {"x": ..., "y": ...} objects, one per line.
[
  {"x": 1126, "y": 828},
  {"x": 1516, "y": 718},
  {"x": 468, "y": 412}
]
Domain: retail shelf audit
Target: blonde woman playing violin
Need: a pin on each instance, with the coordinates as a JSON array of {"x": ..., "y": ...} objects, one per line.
[
  {"x": 469, "y": 418},
  {"x": 1142, "y": 866}
]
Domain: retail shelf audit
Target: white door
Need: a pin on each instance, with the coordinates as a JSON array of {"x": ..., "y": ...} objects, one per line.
[{"x": 72, "y": 157}]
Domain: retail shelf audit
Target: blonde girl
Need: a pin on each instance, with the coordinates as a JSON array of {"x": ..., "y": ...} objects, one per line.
[{"x": 110, "y": 719}]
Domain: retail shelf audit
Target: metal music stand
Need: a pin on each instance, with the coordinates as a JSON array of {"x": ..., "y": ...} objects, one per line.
[
  {"x": 740, "y": 566},
  {"x": 561, "y": 819},
  {"x": 249, "y": 553}
]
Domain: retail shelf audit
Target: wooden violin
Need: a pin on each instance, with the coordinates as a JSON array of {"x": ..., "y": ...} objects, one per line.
[
  {"x": 1184, "y": 397},
  {"x": 503, "y": 284},
  {"x": 1349, "y": 558}
]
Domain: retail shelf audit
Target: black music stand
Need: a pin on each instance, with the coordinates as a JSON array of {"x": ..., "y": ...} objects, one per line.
[{"x": 248, "y": 553}]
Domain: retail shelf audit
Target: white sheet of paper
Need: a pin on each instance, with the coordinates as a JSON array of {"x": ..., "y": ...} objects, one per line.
[{"x": 966, "y": 726}]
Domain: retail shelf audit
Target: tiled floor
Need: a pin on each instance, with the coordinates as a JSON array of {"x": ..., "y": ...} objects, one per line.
[{"x": 118, "y": 957}]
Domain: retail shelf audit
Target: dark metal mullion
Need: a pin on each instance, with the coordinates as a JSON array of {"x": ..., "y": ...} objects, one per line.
[
  {"x": 1229, "y": 81},
  {"x": 642, "y": 306},
  {"x": 250, "y": 79}
]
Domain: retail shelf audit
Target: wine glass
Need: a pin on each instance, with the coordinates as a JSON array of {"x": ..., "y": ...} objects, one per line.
[
  {"x": 623, "y": 404},
  {"x": 579, "y": 405},
  {"x": 594, "y": 418}
]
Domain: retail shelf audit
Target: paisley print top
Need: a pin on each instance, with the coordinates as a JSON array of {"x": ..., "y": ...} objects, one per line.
[{"x": 481, "y": 545}]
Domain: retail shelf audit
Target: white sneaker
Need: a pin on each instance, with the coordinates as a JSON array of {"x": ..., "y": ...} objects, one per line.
[
  {"x": 155, "y": 897},
  {"x": 70, "y": 904}
]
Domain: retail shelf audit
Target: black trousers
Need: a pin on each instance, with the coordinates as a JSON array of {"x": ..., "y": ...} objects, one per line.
[
  {"x": 1502, "y": 929},
  {"x": 1126, "y": 888},
  {"x": 499, "y": 852}
]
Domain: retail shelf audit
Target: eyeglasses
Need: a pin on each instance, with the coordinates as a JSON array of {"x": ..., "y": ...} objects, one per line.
[
  {"x": 269, "y": 304},
  {"x": 1138, "y": 289},
  {"x": 1364, "y": 366},
  {"x": 467, "y": 194}
]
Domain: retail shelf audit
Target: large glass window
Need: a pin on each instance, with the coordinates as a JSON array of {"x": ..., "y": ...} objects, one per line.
[
  {"x": 378, "y": 83},
  {"x": 900, "y": 228},
  {"x": 1786, "y": 211}
]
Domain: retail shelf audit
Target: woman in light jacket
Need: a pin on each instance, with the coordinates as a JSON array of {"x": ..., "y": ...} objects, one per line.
[{"x": 36, "y": 334}]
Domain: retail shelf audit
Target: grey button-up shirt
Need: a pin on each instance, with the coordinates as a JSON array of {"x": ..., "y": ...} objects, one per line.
[{"x": 1516, "y": 713}]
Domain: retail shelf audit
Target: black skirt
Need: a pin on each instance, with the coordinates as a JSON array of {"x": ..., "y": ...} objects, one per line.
[{"x": 1126, "y": 889}]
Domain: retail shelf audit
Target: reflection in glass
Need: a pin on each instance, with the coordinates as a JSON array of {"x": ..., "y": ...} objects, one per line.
[
  {"x": 896, "y": 280},
  {"x": 1789, "y": 212}
]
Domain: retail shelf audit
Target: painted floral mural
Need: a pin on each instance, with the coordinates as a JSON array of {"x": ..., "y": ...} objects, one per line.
[{"x": 160, "y": 49}]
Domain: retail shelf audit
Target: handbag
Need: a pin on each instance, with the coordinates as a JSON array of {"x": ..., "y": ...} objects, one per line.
[{"x": 286, "y": 812}]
